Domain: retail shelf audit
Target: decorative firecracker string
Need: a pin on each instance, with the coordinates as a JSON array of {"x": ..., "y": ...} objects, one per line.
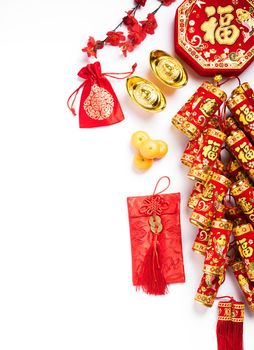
[{"x": 136, "y": 31}]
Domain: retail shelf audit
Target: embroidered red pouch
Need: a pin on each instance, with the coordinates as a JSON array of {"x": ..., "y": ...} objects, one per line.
[
  {"x": 156, "y": 243},
  {"x": 99, "y": 105}
]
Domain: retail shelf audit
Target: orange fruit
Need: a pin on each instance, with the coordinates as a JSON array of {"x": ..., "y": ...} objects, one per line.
[
  {"x": 138, "y": 138},
  {"x": 149, "y": 149},
  {"x": 163, "y": 148},
  {"x": 142, "y": 163}
]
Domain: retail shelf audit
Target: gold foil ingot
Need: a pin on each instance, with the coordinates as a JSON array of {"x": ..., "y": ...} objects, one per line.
[
  {"x": 168, "y": 69},
  {"x": 145, "y": 94}
]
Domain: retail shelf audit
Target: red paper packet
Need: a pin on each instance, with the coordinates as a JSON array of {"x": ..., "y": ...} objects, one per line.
[{"x": 168, "y": 241}]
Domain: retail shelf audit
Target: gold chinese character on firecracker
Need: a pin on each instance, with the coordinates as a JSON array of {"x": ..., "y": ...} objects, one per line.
[
  {"x": 245, "y": 115},
  {"x": 247, "y": 207},
  {"x": 208, "y": 106},
  {"x": 245, "y": 250},
  {"x": 245, "y": 154},
  {"x": 224, "y": 32},
  {"x": 210, "y": 151}
]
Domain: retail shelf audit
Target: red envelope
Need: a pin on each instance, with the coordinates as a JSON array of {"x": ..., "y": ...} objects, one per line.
[{"x": 164, "y": 248}]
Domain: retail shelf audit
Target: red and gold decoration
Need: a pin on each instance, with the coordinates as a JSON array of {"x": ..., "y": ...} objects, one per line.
[
  {"x": 215, "y": 37},
  {"x": 222, "y": 198},
  {"x": 156, "y": 242}
]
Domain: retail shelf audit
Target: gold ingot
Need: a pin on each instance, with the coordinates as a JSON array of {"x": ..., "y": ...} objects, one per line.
[
  {"x": 168, "y": 69},
  {"x": 145, "y": 94}
]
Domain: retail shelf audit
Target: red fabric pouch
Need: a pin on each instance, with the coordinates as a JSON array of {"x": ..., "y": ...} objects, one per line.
[
  {"x": 156, "y": 242},
  {"x": 99, "y": 105}
]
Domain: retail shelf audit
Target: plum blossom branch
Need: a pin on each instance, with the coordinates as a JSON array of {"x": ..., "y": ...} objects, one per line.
[{"x": 136, "y": 31}]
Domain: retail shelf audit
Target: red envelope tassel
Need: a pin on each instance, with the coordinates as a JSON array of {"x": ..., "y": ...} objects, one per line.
[{"x": 152, "y": 279}]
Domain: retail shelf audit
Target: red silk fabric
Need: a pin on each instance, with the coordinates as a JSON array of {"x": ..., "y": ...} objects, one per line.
[{"x": 169, "y": 240}]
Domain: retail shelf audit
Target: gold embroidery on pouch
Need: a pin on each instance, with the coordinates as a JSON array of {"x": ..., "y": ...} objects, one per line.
[{"x": 99, "y": 103}]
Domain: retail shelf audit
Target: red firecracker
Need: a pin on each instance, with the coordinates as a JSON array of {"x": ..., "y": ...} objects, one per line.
[
  {"x": 208, "y": 288},
  {"x": 245, "y": 89},
  {"x": 242, "y": 109},
  {"x": 230, "y": 126},
  {"x": 236, "y": 215},
  {"x": 242, "y": 149},
  {"x": 193, "y": 117},
  {"x": 244, "y": 237},
  {"x": 202, "y": 238},
  {"x": 235, "y": 171},
  {"x": 196, "y": 193},
  {"x": 207, "y": 155},
  {"x": 243, "y": 194},
  {"x": 191, "y": 151},
  {"x": 244, "y": 283},
  {"x": 215, "y": 191},
  {"x": 217, "y": 248}
]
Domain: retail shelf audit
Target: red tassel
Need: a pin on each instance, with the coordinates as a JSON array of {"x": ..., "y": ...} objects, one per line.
[
  {"x": 224, "y": 326},
  {"x": 237, "y": 325},
  {"x": 230, "y": 325},
  {"x": 152, "y": 280}
]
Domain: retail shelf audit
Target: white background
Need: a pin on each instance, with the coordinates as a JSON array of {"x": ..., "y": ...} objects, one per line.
[{"x": 65, "y": 260}]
